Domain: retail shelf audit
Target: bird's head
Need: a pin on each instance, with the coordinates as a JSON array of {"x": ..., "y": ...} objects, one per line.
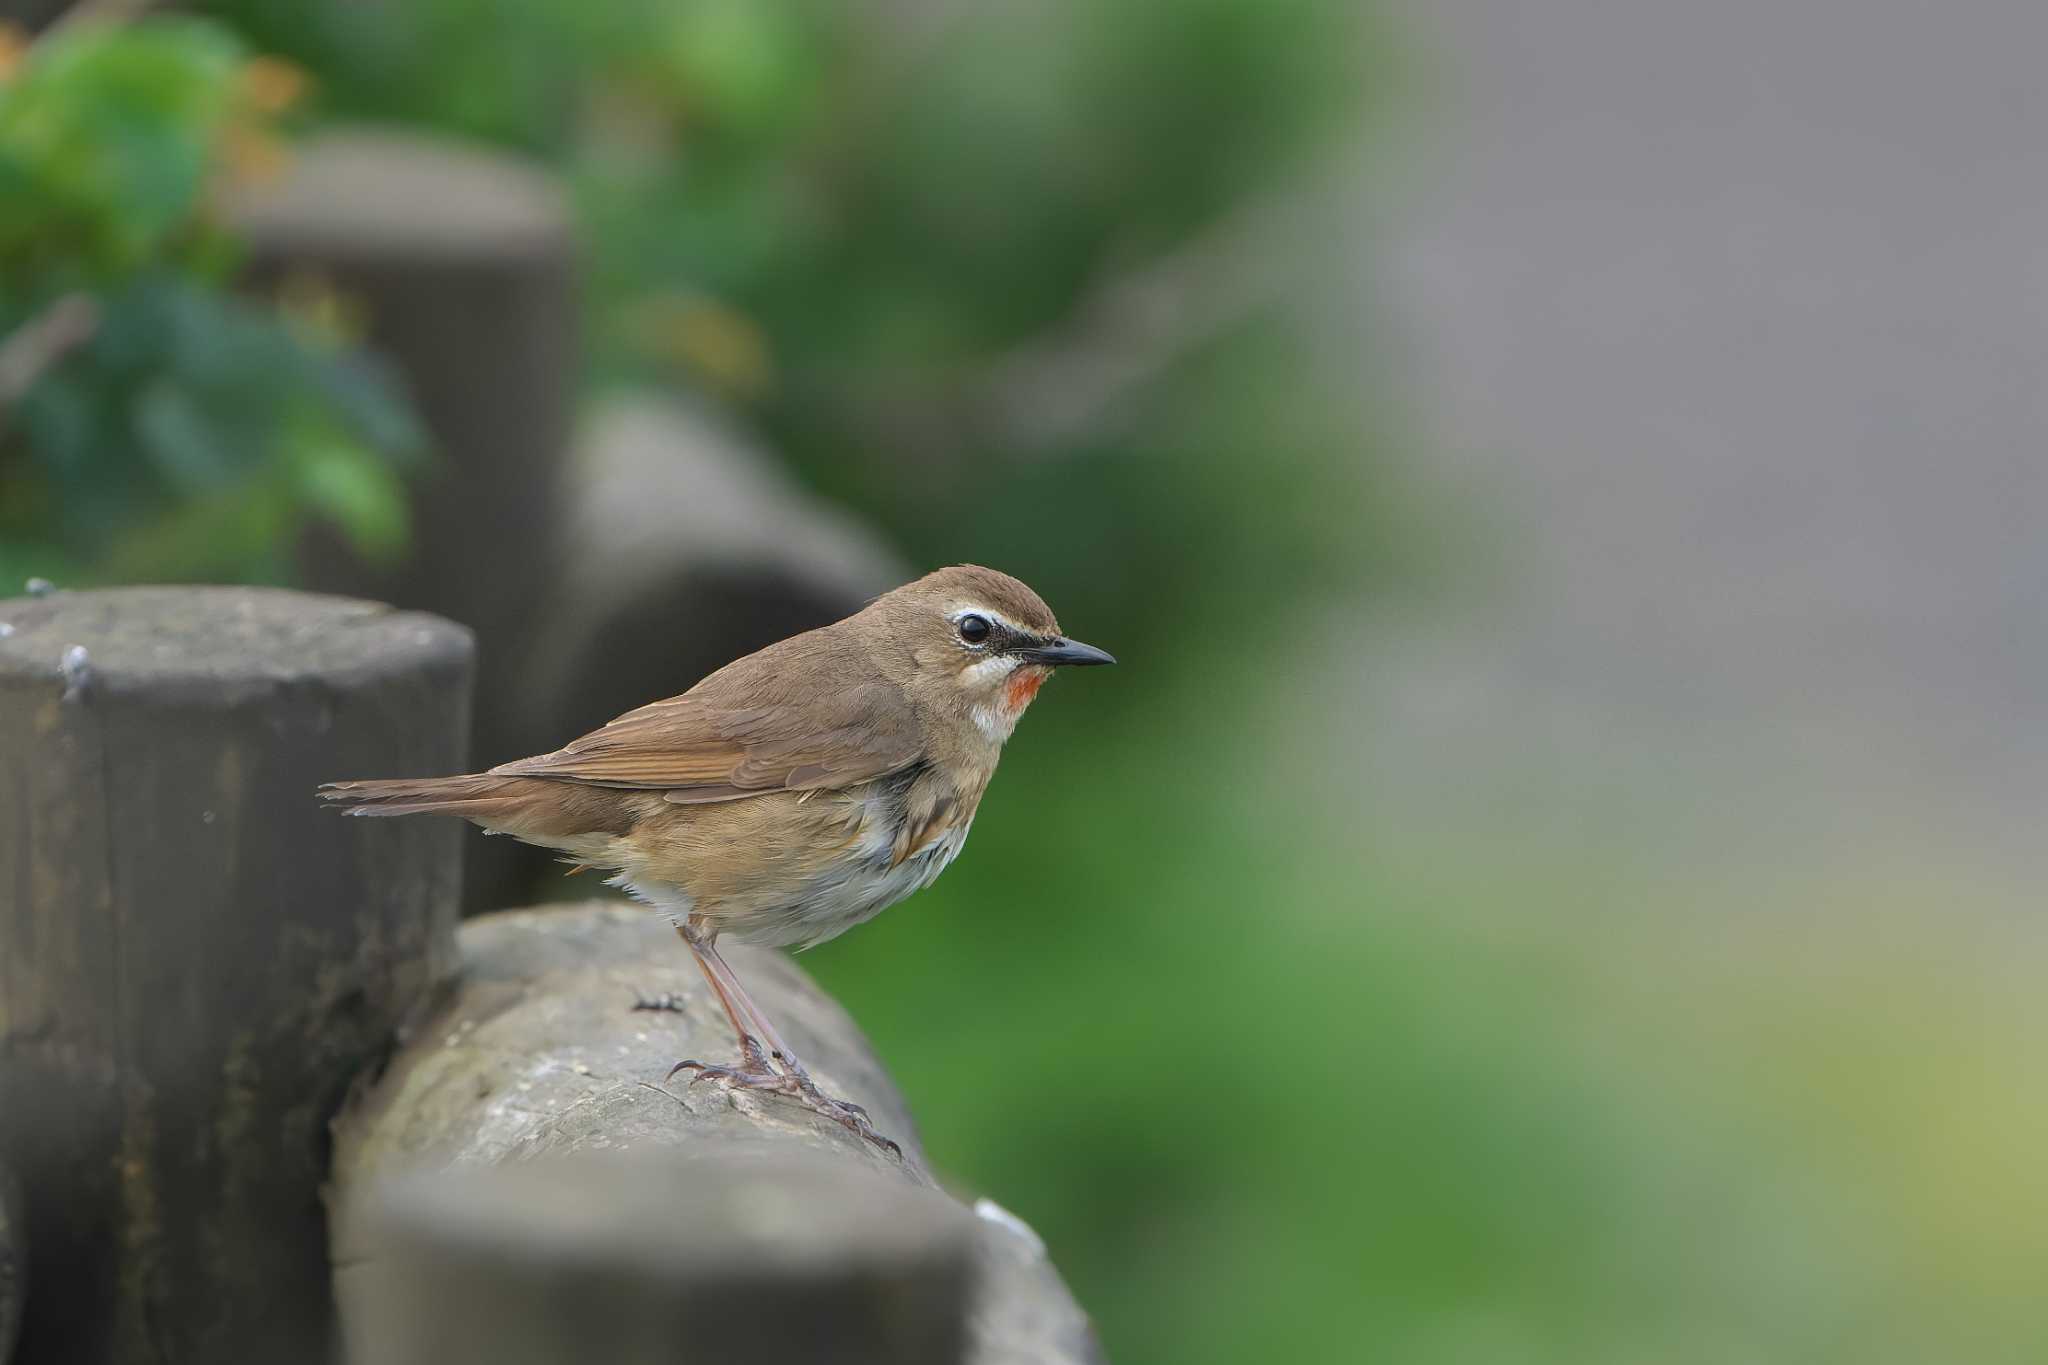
[{"x": 976, "y": 644}]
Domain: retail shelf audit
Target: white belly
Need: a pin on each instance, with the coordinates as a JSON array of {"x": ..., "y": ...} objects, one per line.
[{"x": 853, "y": 893}]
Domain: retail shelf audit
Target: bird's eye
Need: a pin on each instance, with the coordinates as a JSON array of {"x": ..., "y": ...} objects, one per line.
[{"x": 974, "y": 629}]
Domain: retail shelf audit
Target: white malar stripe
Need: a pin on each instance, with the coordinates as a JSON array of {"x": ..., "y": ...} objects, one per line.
[{"x": 990, "y": 671}]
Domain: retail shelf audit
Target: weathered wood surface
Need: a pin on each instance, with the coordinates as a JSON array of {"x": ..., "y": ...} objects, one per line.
[
  {"x": 13, "y": 1262},
  {"x": 539, "y": 1051},
  {"x": 714, "y": 1252},
  {"x": 461, "y": 261},
  {"x": 195, "y": 958},
  {"x": 539, "y": 1054}
]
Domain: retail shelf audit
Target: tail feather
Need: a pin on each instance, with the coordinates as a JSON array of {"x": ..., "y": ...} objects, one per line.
[
  {"x": 570, "y": 817},
  {"x": 476, "y": 796}
]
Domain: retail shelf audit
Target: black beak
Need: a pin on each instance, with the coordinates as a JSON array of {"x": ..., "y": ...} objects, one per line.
[{"x": 1057, "y": 651}]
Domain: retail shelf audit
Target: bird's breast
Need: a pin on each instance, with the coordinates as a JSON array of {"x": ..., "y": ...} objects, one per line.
[{"x": 864, "y": 849}]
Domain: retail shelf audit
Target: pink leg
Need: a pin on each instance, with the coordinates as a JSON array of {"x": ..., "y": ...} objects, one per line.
[
  {"x": 738, "y": 1008},
  {"x": 755, "y": 1071}
]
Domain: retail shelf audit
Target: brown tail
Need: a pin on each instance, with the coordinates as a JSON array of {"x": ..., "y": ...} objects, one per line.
[{"x": 477, "y": 796}]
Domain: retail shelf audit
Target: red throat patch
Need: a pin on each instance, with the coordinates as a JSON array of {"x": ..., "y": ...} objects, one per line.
[{"x": 1023, "y": 686}]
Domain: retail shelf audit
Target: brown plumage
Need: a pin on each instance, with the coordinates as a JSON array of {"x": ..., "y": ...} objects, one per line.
[{"x": 792, "y": 793}]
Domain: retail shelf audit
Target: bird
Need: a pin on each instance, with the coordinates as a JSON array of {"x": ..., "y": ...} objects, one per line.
[{"x": 790, "y": 795}]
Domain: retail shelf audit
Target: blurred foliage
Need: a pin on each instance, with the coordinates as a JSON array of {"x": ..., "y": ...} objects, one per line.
[
  {"x": 890, "y": 236},
  {"x": 996, "y": 276},
  {"x": 165, "y": 428},
  {"x": 1272, "y": 1089}
]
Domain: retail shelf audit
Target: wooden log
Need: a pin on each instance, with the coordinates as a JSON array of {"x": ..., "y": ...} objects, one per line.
[
  {"x": 540, "y": 1051},
  {"x": 461, "y": 261},
  {"x": 539, "y": 1054},
  {"x": 195, "y": 958},
  {"x": 710, "y": 1253},
  {"x": 13, "y": 1262}
]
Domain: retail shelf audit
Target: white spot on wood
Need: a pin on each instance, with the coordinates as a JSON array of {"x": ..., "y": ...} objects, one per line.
[
  {"x": 76, "y": 667},
  {"x": 989, "y": 1211}
]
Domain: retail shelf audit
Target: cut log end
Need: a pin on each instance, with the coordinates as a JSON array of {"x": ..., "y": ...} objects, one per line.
[{"x": 723, "y": 1250}]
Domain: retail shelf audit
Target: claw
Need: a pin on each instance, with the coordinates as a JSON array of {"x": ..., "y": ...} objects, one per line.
[
  {"x": 810, "y": 1091},
  {"x": 760, "y": 1077},
  {"x": 794, "y": 1069}
]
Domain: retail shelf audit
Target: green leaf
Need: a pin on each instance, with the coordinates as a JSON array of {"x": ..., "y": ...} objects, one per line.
[
  {"x": 227, "y": 536},
  {"x": 192, "y": 451},
  {"x": 367, "y": 395},
  {"x": 107, "y": 136},
  {"x": 348, "y": 484}
]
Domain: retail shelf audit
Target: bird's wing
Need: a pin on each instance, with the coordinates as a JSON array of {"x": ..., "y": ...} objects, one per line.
[{"x": 765, "y": 724}]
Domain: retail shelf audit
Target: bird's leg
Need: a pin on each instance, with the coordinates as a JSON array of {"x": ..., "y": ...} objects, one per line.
[
  {"x": 756, "y": 1073},
  {"x": 750, "y": 1046},
  {"x": 764, "y": 1029}
]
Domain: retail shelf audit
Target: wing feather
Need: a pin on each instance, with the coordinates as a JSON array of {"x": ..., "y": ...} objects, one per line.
[{"x": 786, "y": 719}]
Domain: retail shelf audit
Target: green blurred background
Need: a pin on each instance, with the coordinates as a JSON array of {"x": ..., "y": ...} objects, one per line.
[{"x": 1280, "y": 1069}]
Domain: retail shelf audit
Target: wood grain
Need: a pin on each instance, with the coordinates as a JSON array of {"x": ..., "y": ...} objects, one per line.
[{"x": 195, "y": 959}]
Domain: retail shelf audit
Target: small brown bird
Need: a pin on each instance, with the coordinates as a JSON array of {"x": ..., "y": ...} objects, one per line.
[{"x": 792, "y": 794}]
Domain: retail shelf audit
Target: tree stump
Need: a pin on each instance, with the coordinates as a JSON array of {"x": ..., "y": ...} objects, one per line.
[
  {"x": 540, "y": 1055},
  {"x": 462, "y": 261},
  {"x": 195, "y": 958},
  {"x": 711, "y": 1253}
]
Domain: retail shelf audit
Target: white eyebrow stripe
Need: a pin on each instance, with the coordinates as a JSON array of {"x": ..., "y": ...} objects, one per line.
[{"x": 995, "y": 616}]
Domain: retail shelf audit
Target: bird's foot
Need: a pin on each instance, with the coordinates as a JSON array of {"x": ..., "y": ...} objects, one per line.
[
  {"x": 794, "y": 1083},
  {"x": 794, "y": 1069}
]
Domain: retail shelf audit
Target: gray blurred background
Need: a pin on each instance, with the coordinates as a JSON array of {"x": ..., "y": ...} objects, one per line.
[{"x": 1732, "y": 321}]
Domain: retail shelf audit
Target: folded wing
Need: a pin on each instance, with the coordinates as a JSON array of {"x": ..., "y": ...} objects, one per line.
[{"x": 741, "y": 733}]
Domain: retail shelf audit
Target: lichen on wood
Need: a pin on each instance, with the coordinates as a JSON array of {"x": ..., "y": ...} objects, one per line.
[{"x": 538, "y": 1054}]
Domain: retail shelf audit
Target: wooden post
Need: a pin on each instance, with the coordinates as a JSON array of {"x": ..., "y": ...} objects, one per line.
[
  {"x": 13, "y": 1263},
  {"x": 538, "y": 1055},
  {"x": 706, "y": 1254},
  {"x": 538, "y": 1050},
  {"x": 195, "y": 958},
  {"x": 462, "y": 264}
]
